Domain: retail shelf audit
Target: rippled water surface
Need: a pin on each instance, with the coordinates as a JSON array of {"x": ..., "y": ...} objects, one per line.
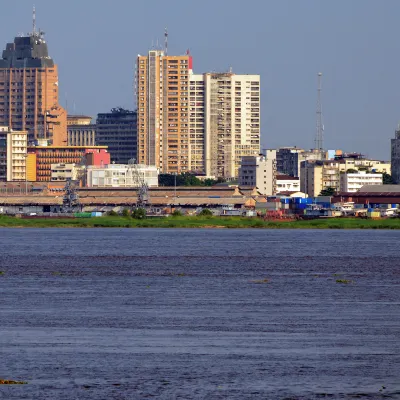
[{"x": 199, "y": 314}]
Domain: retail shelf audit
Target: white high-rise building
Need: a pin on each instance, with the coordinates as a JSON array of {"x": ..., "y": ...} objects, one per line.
[{"x": 228, "y": 106}]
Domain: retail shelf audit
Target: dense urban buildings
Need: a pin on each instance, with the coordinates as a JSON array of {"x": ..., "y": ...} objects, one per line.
[
  {"x": 29, "y": 91},
  {"x": 80, "y": 131},
  {"x": 288, "y": 159},
  {"x": 122, "y": 175},
  {"x": 162, "y": 89},
  {"x": 259, "y": 172},
  {"x": 195, "y": 123},
  {"x": 118, "y": 130},
  {"x": 43, "y": 157}
]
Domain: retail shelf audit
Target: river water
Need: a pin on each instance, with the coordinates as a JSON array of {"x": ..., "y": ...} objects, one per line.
[{"x": 186, "y": 314}]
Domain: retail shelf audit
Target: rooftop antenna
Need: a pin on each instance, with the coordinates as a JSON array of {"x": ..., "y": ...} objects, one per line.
[
  {"x": 166, "y": 41},
  {"x": 34, "y": 21},
  {"x": 319, "y": 134}
]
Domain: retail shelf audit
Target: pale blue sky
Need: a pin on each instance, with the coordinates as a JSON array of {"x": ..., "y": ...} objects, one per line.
[{"x": 354, "y": 43}]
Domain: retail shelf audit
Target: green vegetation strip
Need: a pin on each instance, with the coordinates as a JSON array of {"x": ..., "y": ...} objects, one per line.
[{"x": 197, "y": 222}]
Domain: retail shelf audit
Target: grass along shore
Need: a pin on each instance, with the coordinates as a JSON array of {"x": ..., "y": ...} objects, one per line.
[{"x": 197, "y": 222}]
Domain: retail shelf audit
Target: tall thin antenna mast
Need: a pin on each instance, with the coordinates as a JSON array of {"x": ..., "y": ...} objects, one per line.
[
  {"x": 319, "y": 134},
  {"x": 34, "y": 21},
  {"x": 166, "y": 42}
]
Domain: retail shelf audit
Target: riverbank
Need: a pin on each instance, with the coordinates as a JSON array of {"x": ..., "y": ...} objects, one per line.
[{"x": 197, "y": 222}]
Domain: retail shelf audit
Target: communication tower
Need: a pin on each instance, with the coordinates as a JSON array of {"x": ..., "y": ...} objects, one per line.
[{"x": 319, "y": 134}]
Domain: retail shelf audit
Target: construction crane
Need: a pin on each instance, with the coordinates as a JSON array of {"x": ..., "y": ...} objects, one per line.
[
  {"x": 143, "y": 198},
  {"x": 71, "y": 198}
]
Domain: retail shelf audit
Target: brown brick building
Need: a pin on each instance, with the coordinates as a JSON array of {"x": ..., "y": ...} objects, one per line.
[{"x": 29, "y": 91}]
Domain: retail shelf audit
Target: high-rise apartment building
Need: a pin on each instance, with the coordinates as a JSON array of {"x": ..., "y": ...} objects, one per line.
[
  {"x": 118, "y": 131},
  {"x": 162, "y": 89},
  {"x": 230, "y": 114},
  {"x": 29, "y": 91},
  {"x": 197, "y": 125}
]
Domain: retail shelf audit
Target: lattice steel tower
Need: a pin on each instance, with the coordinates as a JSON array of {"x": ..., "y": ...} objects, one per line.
[{"x": 319, "y": 134}]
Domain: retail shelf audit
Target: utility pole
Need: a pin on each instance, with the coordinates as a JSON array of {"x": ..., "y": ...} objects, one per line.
[{"x": 319, "y": 134}]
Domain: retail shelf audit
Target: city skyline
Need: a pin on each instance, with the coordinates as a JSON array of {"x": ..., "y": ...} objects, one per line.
[{"x": 352, "y": 44}]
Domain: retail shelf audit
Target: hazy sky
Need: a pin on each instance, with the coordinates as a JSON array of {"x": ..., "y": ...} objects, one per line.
[{"x": 354, "y": 43}]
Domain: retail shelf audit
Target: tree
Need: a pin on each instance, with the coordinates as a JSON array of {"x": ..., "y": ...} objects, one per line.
[
  {"x": 177, "y": 213},
  {"x": 125, "y": 212},
  {"x": 185, "y": 179},
  {"x": 329, "y": 191},
  {"x": 387, "y": 179},
  {"x": 139, "y": 213},
  {"x": 205, "y": 212},
  {"x": 352, "y": 171}
]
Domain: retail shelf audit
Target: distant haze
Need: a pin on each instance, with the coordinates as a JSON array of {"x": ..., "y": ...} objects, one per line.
[{"x": 354, "y": 43}]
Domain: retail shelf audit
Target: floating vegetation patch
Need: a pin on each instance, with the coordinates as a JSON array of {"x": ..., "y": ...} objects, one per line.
[
  {"x": 10, "y": 382},
  {"x": 344, "y": 281},
  {"x": 260, "y": 281}
]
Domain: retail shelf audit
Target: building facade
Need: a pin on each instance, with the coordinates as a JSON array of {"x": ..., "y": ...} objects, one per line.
[
  {"x": 118, "y": 131},
  {"x": 29, "y": 91},
  {"x": 395, "y": 156},
  {"x": 162, "y": 89},
  {"x": 73, "y": 120},
  {"x": 288, "y": 159},
  {"x": 3, "y": 153},
  {"x": 318, "y": 175},
  {"x": 260, "y": 172},
  {"x": 197, "y": 162},
  {"x": 13, "y": 155},
  {"x": 286, "y": 183},
  {"x": 121, "y": 175},
  {"x": 17, "y": 143},
  {"x": 353, "y": 182},
  {"x": 45, "y": 156},
  {"x": 64, "y": 172},
  {"x": 80, "y": 131}
]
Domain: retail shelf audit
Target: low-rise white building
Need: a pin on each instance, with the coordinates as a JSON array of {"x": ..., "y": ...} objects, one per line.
[
  {"x": 63, "y": 172},
  {"x": 260, "y": 172},
  {"x": 286, "y": 183},
  {"x": 121, "y": 175},
  {"x": 350, "y": 182}
]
